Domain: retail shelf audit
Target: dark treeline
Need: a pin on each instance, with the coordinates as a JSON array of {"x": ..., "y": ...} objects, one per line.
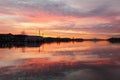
[
  {"x": 10, "y": 40},
  {"x": 51, "y": 39},
  {"x": 19, "y": 38},
  {"x": 114, "y": 40},
  {"x": 26, "y": 38}
]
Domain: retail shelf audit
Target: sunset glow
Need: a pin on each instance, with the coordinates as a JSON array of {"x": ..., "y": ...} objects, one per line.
[{"x": 63, "y": 18}]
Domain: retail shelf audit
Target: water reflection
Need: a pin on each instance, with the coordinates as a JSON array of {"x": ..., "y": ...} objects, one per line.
[
  {"x": 19, "y": 44},
  {"x": 63, "y": 61}
]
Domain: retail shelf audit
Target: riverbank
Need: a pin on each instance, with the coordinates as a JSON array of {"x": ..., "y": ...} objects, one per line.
[{"x": 40, "y": 39}]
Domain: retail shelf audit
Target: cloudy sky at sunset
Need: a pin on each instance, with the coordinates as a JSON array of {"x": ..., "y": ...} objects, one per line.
[{"x": 65, "y": 18}]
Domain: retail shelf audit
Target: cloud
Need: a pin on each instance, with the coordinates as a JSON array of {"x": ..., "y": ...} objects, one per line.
[
  {"x": 65, "y": 8},
  {"x": 103, "y": 16}
]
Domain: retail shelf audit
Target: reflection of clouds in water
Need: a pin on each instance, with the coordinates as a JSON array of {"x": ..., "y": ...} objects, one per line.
[
  {"x": 61, "y": 62},
  {"x": 68, "y": 53},
  {"x": 100, "y": 52},
  {"x": 95, "y": 74},
  {"x": 7, "y": 63},
  {"x": 84, "y": 75},
  {"x": 60, "y": 71},
  {"x": 106, "y": 53}
]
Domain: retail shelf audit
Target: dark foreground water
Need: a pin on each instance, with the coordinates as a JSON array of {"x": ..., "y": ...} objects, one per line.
[{"x": 61, "y": 61}]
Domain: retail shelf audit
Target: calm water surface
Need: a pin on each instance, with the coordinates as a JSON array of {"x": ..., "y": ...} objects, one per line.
[{"x": 61, "y": 61}]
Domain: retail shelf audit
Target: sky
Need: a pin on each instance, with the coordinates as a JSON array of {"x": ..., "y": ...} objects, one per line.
[{"x": 63, "y": 18}]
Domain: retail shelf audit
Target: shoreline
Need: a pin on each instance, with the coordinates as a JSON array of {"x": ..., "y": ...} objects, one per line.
[{"x": 40, "y": 39}]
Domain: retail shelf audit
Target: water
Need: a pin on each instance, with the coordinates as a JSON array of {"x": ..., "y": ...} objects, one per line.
[{"x": 61, "y": 61}]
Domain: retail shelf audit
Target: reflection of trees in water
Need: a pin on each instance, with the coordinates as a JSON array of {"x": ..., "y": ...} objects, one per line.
[
  {"x": 26, "y": 44},
  {"x": 19, "y": 44},
  {"x": 22, "y": 45}
]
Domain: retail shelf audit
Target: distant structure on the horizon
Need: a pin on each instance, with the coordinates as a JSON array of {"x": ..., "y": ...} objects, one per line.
[
  {"x": 39, "y": 33},
  {"x": 23, "y": 33}
]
